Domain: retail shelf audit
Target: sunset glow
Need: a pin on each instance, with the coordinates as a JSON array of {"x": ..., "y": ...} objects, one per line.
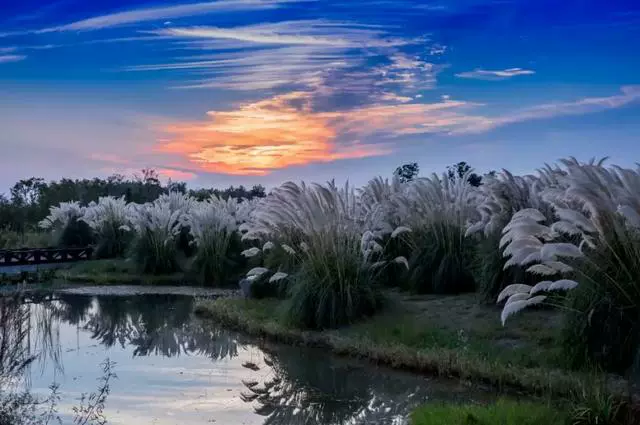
[
  {"x": 260, "y": 137},
  {"x": 221, "y": 92}
]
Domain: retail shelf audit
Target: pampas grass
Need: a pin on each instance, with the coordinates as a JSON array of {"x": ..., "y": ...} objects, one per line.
[
  {"x": 213, "y": 224},
  {"x": 65, "y": 223},
  {"x": 110, "y": 220}
]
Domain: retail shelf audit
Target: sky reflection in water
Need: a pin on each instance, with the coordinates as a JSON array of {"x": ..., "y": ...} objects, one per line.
[{"x": 174, "y": 369}]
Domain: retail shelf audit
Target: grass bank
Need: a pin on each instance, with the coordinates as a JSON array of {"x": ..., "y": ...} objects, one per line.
[
  {"x": 116, "y": 272},
  {"x": 504, "y": 412},
  {"x": 446, "y": 336}
]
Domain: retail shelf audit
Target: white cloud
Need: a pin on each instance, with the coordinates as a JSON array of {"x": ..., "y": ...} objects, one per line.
[
  {"x": 317, "y": 32},
  {"x": 259, "y": 69},
  {"x": 4, "y": 50},
  {"x": 11, "y": 58},
  {"x": 323, "y": 56},
  {"x": 628, "y": 95},
  {"x": 163, "y": 13},
  {"x": 483, "y": 74}
]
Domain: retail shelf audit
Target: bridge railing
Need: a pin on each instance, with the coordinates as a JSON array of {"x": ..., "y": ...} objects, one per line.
[{"x": 17, "y": 257}]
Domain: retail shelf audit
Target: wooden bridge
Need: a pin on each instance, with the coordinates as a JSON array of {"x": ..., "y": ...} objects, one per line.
[{"x": 25, "y": 257}]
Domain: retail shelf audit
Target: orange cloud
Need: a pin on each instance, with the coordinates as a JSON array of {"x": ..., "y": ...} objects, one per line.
[{"x": 259, "y": 137}]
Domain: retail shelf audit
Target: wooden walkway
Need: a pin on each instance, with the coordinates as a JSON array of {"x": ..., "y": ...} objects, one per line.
[{"x": 22, "y": 257}]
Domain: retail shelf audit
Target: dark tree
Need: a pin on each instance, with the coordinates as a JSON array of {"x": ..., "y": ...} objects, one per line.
[
  {"x": 407, "y": 172},
  {"x": 460, "y": 169}
]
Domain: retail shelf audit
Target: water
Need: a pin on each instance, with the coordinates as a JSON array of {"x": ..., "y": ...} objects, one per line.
[{"x": 175, "y": 369}]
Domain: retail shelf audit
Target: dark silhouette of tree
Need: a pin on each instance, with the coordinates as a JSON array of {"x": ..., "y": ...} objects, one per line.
[
  {"x": 407, "y": 172},
  {"x": 460, "y": 169},
  {"x": 30, "y": 199}
]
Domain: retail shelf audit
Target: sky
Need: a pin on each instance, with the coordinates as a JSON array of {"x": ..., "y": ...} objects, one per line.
[{"x": 264, "y": 91}]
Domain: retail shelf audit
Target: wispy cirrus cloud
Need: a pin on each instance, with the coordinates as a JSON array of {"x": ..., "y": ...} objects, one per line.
[
  {"x": 339, "y": 61},
  {"x": 140, "y": 15},
  {"x": 318, "y": 32},
  {"x": 628, "y": 95},
  {"x": 483, "y": 74},
  {"x": 11, "y": 58}
]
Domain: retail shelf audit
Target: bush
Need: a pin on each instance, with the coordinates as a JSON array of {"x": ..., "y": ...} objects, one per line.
[
  {"x": 503, "y": 412},
  {"x": 441, "y": 261},
  {"x": 334, "y": 285}
]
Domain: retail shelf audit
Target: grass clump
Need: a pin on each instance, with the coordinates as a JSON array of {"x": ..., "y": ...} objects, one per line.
[
  {"x": 491, "y": 277},
  {"x": 213, "y": 225},
  {"x": 157, "y": 225},
  {"x": 441, "y": 260},
  {"x": 603, "y": 314},
  {"x": 503, "y": 412},
  {"x": 333, "y": 286},
  {"x": 110, "y": 221}
]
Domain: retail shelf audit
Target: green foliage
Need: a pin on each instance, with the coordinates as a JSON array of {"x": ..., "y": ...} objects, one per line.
[
  {"x": 597, "y": 406},
  {"x": 240, "y": 192},
  {"x": 441, "y": 260},
  {"x": 217, "y": 260},
  {"x": 603, "y": 312},
  {"x": 112, "y": 242},
  {"x": 489, "y": 273},
  {"x": 461, "y": 169},
  {"x": 333, "y": 286},
  {"x": 76, "y": 233},
  {"x": 10, "y": 239},
  {"x": 503, "y": 412},
  {"x": 29, "y": 199},
  {"x": 407, "y": 172},
  {"x": 154, "y": 254}
]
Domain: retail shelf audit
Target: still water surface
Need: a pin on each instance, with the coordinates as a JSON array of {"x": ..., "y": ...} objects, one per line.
[{"x": 175, "y": 369}]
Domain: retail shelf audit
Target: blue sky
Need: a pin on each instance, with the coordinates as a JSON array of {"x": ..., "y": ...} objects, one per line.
[{"x": 263, "y": 91}]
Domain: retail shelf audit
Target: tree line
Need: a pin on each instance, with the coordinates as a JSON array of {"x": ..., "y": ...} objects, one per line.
[{"x": 29, "y": 200}]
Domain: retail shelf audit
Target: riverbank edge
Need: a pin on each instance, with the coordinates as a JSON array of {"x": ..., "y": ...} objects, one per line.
[{"x": 433, "y": 361}]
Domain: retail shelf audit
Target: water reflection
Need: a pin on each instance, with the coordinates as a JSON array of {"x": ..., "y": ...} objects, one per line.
[
  {"x": 184, "y": 368},
  {"x": 339, "y": 392},
  {"x": 153, "y": 325}
]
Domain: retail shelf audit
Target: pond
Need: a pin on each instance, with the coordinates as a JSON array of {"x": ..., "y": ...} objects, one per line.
[{"x": 173, "y": 368}]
